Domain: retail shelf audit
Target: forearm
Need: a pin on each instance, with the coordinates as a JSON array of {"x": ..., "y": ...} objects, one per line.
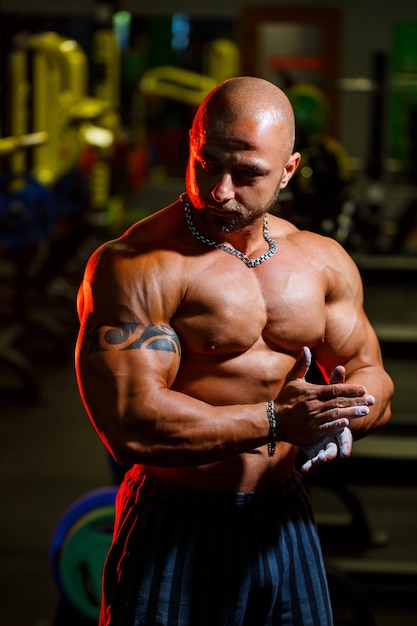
[
  {"x": 167, "y": 428},
  {"x": 378, "y": 384}
]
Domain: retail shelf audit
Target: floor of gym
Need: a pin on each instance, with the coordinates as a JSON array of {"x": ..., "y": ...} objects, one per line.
[{"x": 51, "y": 456}]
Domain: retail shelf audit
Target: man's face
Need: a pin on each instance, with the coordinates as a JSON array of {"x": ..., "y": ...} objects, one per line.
[{"x": 236, "y": 168}]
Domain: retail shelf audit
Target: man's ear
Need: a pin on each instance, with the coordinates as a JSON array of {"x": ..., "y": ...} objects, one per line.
[{"x": 290, "y": 168}]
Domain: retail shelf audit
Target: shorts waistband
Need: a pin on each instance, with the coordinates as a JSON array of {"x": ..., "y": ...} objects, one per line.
[{"x": 155, "y": 488}]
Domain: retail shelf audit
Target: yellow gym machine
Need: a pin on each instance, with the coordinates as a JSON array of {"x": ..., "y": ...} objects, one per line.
[{"x": 52, "y": 120}]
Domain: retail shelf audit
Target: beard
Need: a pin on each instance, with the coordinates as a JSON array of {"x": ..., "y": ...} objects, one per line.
[
  {"x": 236, "y": 216},
  {"x": 239, "y": 217},
  {"x": 235, "y": 220}
]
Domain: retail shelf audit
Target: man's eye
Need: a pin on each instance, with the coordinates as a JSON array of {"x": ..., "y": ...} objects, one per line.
[
  {"x": 208, "y": 167},
  {"x": 248, "y": 175}
]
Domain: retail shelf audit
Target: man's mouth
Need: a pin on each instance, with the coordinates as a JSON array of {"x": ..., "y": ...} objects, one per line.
[{"x": 223, "y": 212}]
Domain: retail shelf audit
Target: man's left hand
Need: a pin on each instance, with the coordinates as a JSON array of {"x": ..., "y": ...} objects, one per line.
[{"x": 329, "y": 447}]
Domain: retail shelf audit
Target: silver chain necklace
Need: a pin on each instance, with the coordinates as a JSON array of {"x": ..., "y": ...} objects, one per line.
[{"x": 226, "y": 248}]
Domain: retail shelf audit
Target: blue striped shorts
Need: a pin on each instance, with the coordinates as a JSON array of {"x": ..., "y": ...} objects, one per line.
[{"x": 182, "y": 557}]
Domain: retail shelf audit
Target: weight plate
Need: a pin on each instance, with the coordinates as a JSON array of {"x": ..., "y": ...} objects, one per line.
[
  {"x": 81, "y": 560},
  {"x": 85, "y": 511}
]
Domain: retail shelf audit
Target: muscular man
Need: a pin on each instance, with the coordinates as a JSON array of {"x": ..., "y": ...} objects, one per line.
[{"x": 196, "y": 331}]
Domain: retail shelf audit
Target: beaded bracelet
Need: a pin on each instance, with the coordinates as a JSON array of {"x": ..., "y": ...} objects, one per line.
[{"x": 273, "y": 428}]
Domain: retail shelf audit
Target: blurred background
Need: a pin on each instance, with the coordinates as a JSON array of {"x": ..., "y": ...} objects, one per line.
[{"x": 96, "y": 99}]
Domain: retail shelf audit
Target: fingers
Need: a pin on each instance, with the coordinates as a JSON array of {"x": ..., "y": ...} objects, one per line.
[
  {"x": 345, "y": 442},
  {"x": 333, "y": 427},
  {"x": 359, "y": 408},
  {"x": 342, "y": 390},
  {"x": 332, "y": 416},
  {"x": 332, "y": 404},
  {"x": 300, "y": 367},
  {"x": 307, "y": 466},
  {"x": 306, "y": 355},
  {"x": 328, "y": 448},
  {"x": 327, "y": 453},
  {"x": 338, "y": 375}
]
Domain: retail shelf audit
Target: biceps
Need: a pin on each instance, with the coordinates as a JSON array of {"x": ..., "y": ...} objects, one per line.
[
  {"x": 130, "y": 355},
  {"x": 349, "y": 338}
]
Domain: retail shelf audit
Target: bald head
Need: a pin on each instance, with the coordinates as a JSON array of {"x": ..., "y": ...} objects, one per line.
[{"x": 247, "y": 97}]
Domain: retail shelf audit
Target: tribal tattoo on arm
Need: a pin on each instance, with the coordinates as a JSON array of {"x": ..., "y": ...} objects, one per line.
[{"x": 132, "y": 336}]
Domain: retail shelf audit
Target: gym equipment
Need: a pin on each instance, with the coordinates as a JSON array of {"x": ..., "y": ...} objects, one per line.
[
  {"x": 176, "y": 84},
  {"x": 402, "y": 108},
  {"x": 10, "y": 145},
  {"x": 79, "y": 547},
  {"x": 28, "y": 211},
  {"x": 60, "y": 76},
  {"x": 311, "y": 108},
  {"x": 321, "y": 188},
  {"x": 121, "y": 21},
  {"x": 106, "y": 56},
  {"x": 27, "y": 214},
  {"x": 59, "y": 82},
  {"x": 322, "y": 183},
  {"x": 45, "y": 202},
  {"x": 222, "y": 59}
]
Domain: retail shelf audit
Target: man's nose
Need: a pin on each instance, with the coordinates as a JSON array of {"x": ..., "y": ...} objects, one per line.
[{"x": 224, "y": 189}]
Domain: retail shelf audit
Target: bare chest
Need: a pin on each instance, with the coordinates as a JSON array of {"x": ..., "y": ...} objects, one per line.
[{"x": 231, "y": 308}]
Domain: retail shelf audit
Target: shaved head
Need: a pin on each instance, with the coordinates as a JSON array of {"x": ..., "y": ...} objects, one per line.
[
  {"x": 248, "y": 97},
  {"x": 241, "y": 151}
]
